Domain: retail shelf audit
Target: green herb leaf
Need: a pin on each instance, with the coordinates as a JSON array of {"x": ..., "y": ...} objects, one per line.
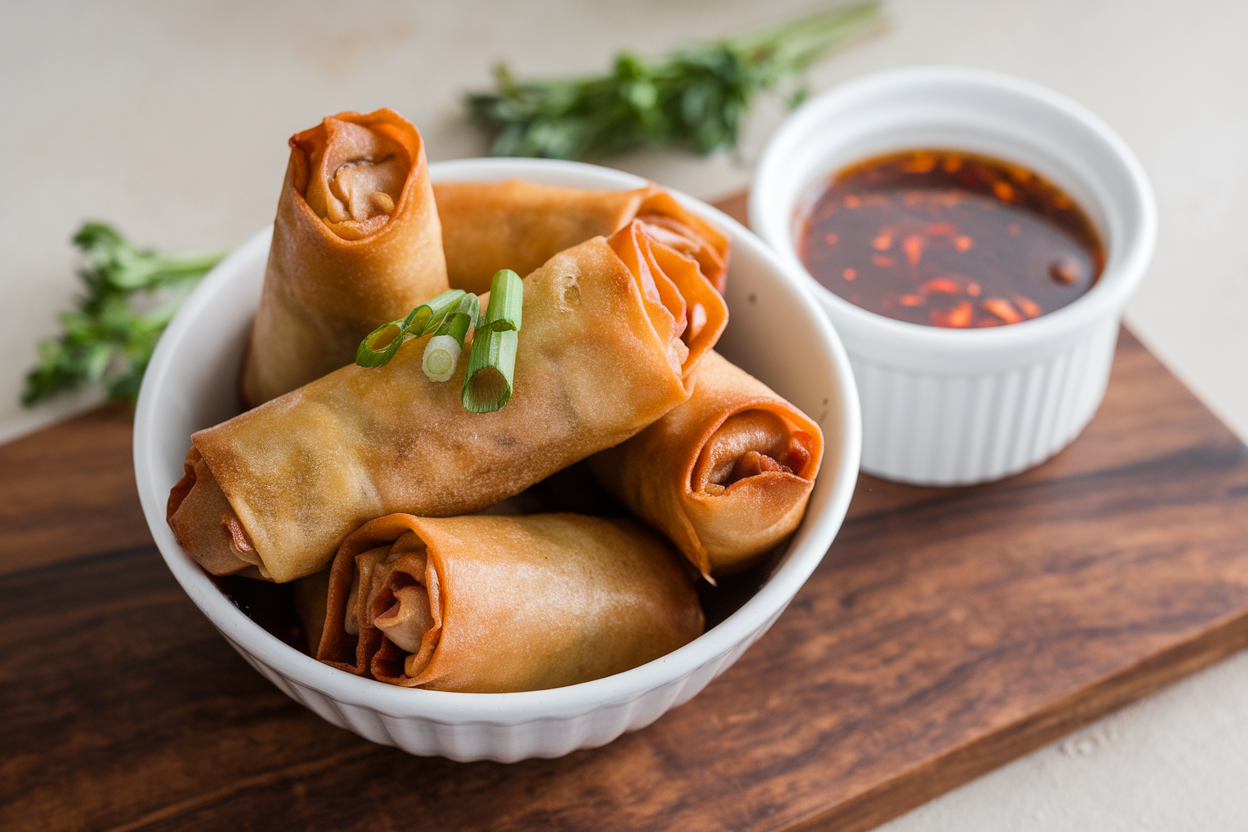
[
  {"x": 131, "y": 295},
  {"x": 693, "y": 99}
]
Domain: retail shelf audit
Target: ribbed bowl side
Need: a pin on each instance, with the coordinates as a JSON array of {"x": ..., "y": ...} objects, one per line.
[
  {"x": 959, "y": 429},
  {"x": 500, "y": 741}
]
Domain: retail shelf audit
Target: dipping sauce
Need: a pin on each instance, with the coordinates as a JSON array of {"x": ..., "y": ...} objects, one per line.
[{"x": 952, "y": 239}]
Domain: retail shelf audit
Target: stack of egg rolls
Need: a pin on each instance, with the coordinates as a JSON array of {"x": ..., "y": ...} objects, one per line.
[
  {"x": 493, "y": 604},
  {"x": 356, "y": 243},
  {"x": 380, "y": 470},
  {"x": 612, "y": 332}
]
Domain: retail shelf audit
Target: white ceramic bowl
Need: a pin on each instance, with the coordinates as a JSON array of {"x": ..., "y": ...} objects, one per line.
[
  {"x": 943, "y": 406},
  {"x": 775, "y": 332}
]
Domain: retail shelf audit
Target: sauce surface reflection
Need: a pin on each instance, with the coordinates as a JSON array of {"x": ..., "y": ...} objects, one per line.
[{"x": 951, "y": 239}]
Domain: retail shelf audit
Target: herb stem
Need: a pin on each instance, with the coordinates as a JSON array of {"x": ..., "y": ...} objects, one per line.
[{"x": 695, "y": 98}]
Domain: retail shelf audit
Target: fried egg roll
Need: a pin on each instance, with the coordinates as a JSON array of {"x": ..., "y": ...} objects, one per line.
[
  {"x": 489, "y": 604},
  {"x": 725, "y": 475},
  {"x": 356, "y": 243},
  {"x": 612, "y": 330},
  {"x": 487, "y": 226}
]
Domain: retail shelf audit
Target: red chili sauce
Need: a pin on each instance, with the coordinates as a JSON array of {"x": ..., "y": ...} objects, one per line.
[{"x": 952, "y": 239}]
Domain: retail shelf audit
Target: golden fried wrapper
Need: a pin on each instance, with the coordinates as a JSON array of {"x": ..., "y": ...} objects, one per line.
[
  {"x": 726, "y": 475},
  {"x": 612, "y": 331},
  {"x": 517, "y": 225},
  {"x": 490, "y": 604},
  {"x": 356, "y": 243}
]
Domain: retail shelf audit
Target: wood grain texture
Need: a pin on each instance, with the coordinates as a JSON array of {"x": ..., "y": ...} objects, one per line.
[
  {"x": 69, "y": 490},
  {"x": 947, "y": 632}
]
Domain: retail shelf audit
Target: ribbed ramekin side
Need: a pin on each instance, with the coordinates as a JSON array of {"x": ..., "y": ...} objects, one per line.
[{"x": 958, "y": 429}]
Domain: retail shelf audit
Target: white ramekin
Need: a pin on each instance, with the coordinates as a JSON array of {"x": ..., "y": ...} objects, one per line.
[
  {"x": 943, "y": 406},
  {"x": 775, "y": 332}
]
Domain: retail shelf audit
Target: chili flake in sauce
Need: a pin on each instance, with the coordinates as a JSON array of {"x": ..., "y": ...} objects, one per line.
[{"x": 952, "y": 239}]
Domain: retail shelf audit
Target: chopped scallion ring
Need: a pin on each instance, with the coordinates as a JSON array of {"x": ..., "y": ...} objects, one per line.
[
  {"x": 491, "y": 367},
  {"x": 371, "y": 353},
  {"x": 420, "y": 320},
  {"x": 506, "y": 303},
  {"x": 450, "y": 316},
  {"x": 441, "y": 357},
  {"x": 492, "y": 361}
]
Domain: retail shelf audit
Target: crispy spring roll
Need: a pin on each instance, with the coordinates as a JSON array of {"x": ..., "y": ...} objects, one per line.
[
  {"x": 356, "y": 243},
  {"x": 488, "y": 604},
  {"x": 726, "y": 475},
  {"x": 487, "y": 226},
  {"x": 612, "y": 332}
]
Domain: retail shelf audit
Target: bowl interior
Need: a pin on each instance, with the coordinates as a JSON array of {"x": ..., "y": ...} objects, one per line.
[{"x": 775, "y": 332}]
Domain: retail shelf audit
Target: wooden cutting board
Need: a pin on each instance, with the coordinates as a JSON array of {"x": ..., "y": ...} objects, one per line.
[{"x": 947, "y": 632}]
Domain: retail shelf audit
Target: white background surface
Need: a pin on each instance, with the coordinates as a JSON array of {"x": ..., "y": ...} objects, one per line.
[{"x": 170, "y": 120}]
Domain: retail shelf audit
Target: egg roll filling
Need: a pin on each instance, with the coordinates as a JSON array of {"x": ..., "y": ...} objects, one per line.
[
  {"x": 748, "y": 444},
  {"x": 356, "y": 178},
  {"x": 390, "y": 591}
]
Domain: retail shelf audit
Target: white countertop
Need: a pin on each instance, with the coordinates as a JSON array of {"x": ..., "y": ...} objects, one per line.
[{"x": 171, "y": 120}]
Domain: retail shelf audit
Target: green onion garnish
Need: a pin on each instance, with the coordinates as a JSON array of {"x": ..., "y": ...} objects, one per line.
[
  {"x": 449, "y": 316},
  {"x": 492, "y": 362},
  {"x": 442, "y": 352},
  {"x": 420, "y": 320},
  {"x": 506, "y": 303}
]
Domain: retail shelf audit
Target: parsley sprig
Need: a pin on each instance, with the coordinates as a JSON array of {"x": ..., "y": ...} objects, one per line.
[
  {"x": 693, "y": 99},
  {"x": 131, "y": 295}
]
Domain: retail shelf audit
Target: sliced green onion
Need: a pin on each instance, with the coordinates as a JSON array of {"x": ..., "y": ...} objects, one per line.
[
  {"x": 491, "y": 368},
  {"x": 443, "y": 350},
  {"x": 492, "y": 362},
  {"x": 429, "y": 314},
  {"x": 371, "y": 353},
  {"x": 441, "y": 357},
  {"x": 420, "y": 320},
  {"x": 506, "y": 303},
  {"x": 449, "y": 316}
]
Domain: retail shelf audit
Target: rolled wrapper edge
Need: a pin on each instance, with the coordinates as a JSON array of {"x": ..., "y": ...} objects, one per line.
[
  {"x": 654, "y": 474},
  {"x": 650, "y": 607}
]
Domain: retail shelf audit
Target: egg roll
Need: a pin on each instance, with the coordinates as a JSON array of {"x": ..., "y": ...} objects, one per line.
[
  {"x": 356, "y": 243},
  {"x": 726, "y": 475},
  {"x": 612, "y": 330},
  {"x": 490, "y": 604},
  {"x": 517, "y": 225}
]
